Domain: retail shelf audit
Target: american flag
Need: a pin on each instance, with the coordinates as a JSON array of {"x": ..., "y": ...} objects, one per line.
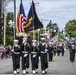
[{"x": 21, "y": 19}]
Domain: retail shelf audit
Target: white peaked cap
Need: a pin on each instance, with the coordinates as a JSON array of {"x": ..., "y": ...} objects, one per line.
[
  {"x": 33, "y": 40},
  {"x": 24, "y": 38},
  {"x": 72, "y": 45},
  {"x": 42, "y": 38},
  {"x": 45, "y": 34},
  {"x": 16, "y": 40},
  {"x": 60, "y": 44},
  {"x": 50, "y": 42}
]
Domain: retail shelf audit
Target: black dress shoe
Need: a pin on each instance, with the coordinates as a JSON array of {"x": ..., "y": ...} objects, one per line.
[
  {"x": 26, "y": 72},
  {"x": 36, "y": 72},
  {"x": 45, "y": 72},
  {"x": 23, "y": 74},
  {"x": 17, "y": 72}
]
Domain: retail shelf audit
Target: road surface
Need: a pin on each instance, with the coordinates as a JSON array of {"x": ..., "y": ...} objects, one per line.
[{"x": 60, "y": 65}]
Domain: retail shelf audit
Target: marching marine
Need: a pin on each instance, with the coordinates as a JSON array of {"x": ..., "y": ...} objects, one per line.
[
  {"x": 34, "y": 56},
  {"x": 62, "y": 49},
  {"x": 72, "y": 53},
  {"x": 43, "y": 49},
  {"x": 58, "y": 49},
  {"x": 25, "y": 51},
  {"x": 50, "y": 51},
  {"x": 16, "y": 57},
  {"x": 55, "y": 49}
]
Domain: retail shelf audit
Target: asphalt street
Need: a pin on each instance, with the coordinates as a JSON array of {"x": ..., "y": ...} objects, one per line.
[{"x": 60, "y": 65}]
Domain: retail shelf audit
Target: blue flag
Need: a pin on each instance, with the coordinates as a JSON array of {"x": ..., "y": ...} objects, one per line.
[{"x": 33, "y": 21}]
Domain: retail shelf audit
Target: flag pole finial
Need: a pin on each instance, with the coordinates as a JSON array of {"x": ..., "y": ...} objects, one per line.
[
  {"x": 21, "y": 1},
  {"x": 32, "y": 0}
]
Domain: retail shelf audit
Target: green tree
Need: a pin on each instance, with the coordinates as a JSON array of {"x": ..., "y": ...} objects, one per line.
[
  {"x": 1, "y": 22},
  {"x": 9, "y": 17},
  {"x": 52, "y": 26},
  {"x": 9, "y": 29},
  {"x": 70, "y": 28}
]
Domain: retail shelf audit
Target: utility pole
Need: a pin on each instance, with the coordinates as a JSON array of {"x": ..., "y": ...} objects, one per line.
[
  {"x": 44, "y": 20},
  {"x": 4, "y": 22},
  {"x": 51, "y": 28},
  {"x": 14, "y": 19}
]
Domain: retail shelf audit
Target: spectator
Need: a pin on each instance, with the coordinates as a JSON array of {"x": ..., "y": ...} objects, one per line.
[
  {"x": 1, "y": 51},
  {"x": 9, "y": 50}
]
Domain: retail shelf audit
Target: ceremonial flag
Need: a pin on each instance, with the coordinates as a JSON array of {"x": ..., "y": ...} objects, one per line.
[
  {"x": 33, "y": 21},
  {"x": 60, "y": 37},
  {"x": 21, "y": 19}
]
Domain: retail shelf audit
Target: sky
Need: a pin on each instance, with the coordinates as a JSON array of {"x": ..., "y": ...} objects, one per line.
[{"x": 58, "y": 11}]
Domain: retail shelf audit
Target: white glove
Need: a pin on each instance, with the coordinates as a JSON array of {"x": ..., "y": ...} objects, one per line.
[
  {"x": 12, "y": 50},
  {"x": 39, "y": 57},
  {"x": 25, "y": 55},
  {"x": 46, "y": 50},
  {"x": 34, "y": 44},
  {"x": 34, "y": 56},
  {"x": 52, "y": 51},
  {"x": 25, "y": 43}
]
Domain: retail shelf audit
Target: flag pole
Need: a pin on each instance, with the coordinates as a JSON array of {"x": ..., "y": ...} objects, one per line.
[
  {"x": 33, "y": 34},
  {"x": 33, "y": 38},
  {"x": 14, "y": 19},
  {"x": 38, "y": 35},
  {"x": 4, "y": 22},
  {"x": 24, "y": 43}
]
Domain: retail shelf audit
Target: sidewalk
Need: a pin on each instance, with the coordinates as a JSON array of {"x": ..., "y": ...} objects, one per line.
[{"x": 5, "y": 65}]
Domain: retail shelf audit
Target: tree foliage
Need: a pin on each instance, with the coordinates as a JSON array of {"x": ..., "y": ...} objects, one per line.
[
  {"x": 9, "y": 30},
  {"x": 9, "y": 17},
  {"x": 70, "y": 28},
  {"x": 1, "y": 23},
  {"x": 52, "y": 26}
]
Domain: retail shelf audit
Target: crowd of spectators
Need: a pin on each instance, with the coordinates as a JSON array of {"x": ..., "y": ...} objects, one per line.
[{"x": 5, "y": 51}]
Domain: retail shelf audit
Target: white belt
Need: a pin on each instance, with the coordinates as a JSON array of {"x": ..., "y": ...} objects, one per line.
[
  {"x": 33, "y": 52},
  {"x": 43, "y": 52},
  {"x": 24, "y": 52},
  {"x": 16, "y": 52}
]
